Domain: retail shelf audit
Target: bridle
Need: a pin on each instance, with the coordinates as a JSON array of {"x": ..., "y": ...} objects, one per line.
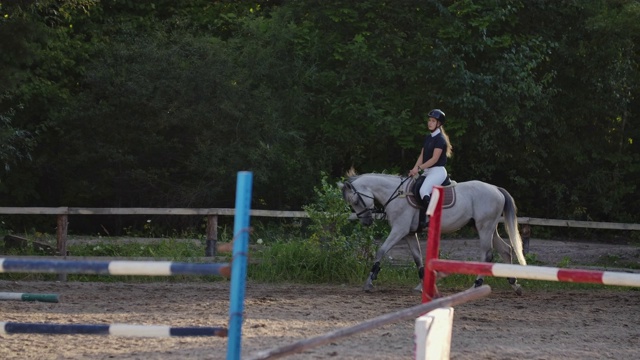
[{"x": 369, "y": 210}]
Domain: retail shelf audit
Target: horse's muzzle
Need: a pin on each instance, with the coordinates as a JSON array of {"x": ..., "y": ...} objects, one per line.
[{"x": 366, "y": 221}]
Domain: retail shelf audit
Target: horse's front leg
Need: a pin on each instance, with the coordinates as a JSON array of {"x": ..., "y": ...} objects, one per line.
[
  {"x": 394, "y": 236},
  {"x": 414, "y": 246}
]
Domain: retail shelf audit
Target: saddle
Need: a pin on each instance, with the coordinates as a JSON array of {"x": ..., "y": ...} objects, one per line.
[{"x": 413, "y": 192}]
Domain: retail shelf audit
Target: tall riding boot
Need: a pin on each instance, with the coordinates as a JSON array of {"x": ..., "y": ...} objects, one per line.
[{"x": 424, "y": 222}]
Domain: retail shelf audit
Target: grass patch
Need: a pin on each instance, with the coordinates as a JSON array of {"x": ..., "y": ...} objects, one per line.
[
  {"x": 171, "y": 249},
  {"x": 304, "y": 262},
  {"x": 615, "y": 261},
  {"x": 301, "y": 262}
]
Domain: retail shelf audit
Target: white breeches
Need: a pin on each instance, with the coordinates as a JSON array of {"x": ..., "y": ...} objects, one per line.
[{"x": 433, "y": 176}]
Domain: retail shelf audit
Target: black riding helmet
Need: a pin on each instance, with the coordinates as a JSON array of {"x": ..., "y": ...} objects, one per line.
[{"x": 438, "y": 115}]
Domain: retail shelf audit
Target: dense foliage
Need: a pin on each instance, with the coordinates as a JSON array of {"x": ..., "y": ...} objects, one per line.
[{"x": 125, "y": 103}]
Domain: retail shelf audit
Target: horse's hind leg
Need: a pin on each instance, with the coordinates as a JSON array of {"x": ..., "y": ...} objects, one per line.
[
  {"x": 486, "y": 251},
  {"x": 506, "y": 253}
]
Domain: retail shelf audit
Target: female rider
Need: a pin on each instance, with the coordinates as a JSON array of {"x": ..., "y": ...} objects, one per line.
[{"x": 432, "y": 160}]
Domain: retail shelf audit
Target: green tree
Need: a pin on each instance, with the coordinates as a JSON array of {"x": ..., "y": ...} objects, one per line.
[
  {"x": 160, "y": 103},
  {"x": 590, "y": 155},
  {"x": 37, "y": 67}
]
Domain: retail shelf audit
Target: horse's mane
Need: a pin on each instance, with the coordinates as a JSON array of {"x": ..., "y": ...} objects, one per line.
[{"x": 353, "y": 175}]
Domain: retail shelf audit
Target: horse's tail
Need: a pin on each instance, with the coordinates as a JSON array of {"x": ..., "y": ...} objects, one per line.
[{"x": 511, "y": 224}]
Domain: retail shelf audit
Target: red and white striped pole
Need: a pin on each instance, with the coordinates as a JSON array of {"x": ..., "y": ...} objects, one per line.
[
  {"x": 433, "y": 264},
  {"x": 534, "y": 272}
]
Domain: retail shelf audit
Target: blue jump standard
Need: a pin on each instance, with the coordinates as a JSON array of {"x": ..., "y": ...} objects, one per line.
[
  {"x": 112, "y": 329},
  {"x": 147, "y": 268}
]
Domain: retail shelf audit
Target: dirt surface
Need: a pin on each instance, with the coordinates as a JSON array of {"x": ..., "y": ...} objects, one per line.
[
  {"x": 589, "y": 324},
  {"x": 553, "y": 253}
]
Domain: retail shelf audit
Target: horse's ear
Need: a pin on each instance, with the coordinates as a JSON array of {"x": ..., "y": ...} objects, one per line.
[{"x": 344, "y": 185}]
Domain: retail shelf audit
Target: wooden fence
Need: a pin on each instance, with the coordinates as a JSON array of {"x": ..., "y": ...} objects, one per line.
[{"x": 212, "y": 214}]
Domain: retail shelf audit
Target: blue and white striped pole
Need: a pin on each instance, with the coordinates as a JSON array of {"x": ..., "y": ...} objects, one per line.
[
  {"x": 145, "y": 268},
  {"x": 129, "y": 330},
  {"x": 239, "y": 265}
]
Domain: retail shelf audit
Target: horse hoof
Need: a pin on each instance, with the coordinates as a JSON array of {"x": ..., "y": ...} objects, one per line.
[
  {"x": 368, "y": 287},
  {"x": 519, "y": 290}
]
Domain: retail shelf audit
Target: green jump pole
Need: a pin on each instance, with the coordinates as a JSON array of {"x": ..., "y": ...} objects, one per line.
[{"x": 52, "y": 298}]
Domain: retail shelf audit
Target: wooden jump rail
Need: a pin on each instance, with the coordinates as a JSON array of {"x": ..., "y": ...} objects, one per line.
[{"x": 404, "y": 314}]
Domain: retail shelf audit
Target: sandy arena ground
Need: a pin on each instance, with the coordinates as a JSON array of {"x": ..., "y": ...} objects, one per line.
[{"x": 598, "y": 324}]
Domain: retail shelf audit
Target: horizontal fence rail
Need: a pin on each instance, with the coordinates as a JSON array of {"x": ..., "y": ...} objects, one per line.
[
  {"x": 212, "y": 220},
  {"x": 146, "y": 211},
  {"x": 273, "y": 213},
  {"x": 578, "y": 224}
]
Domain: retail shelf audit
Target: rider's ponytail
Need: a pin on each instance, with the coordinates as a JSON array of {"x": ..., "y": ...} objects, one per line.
[{"x": 446, "y": 138}]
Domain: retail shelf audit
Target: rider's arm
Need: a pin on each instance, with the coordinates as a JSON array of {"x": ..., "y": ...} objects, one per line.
[
  {"x": 415, "y": 169},
  {"x": 430, "y": 162},
  {"x": 419, "y": 161}
]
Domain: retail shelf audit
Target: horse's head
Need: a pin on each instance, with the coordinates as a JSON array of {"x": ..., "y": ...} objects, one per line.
[{"x": 356, "y": 200}]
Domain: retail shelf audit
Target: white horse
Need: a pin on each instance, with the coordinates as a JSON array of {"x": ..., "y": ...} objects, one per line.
[{"x": 476, "y": 201}]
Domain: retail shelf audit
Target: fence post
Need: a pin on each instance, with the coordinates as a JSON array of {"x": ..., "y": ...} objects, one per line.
[
  {"x": 212, "y": 235},
  {"x": 61, "y": 234}
]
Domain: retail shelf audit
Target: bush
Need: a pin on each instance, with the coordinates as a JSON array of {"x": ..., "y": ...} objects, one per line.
[
  {"x": 336, "y": 250},
  {"x": 333, "y": 232}
]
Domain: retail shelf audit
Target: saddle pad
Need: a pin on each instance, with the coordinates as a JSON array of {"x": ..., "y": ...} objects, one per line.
[
  {"x": 448, "y": 201},
  {"x": 449, "y": 197}
]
